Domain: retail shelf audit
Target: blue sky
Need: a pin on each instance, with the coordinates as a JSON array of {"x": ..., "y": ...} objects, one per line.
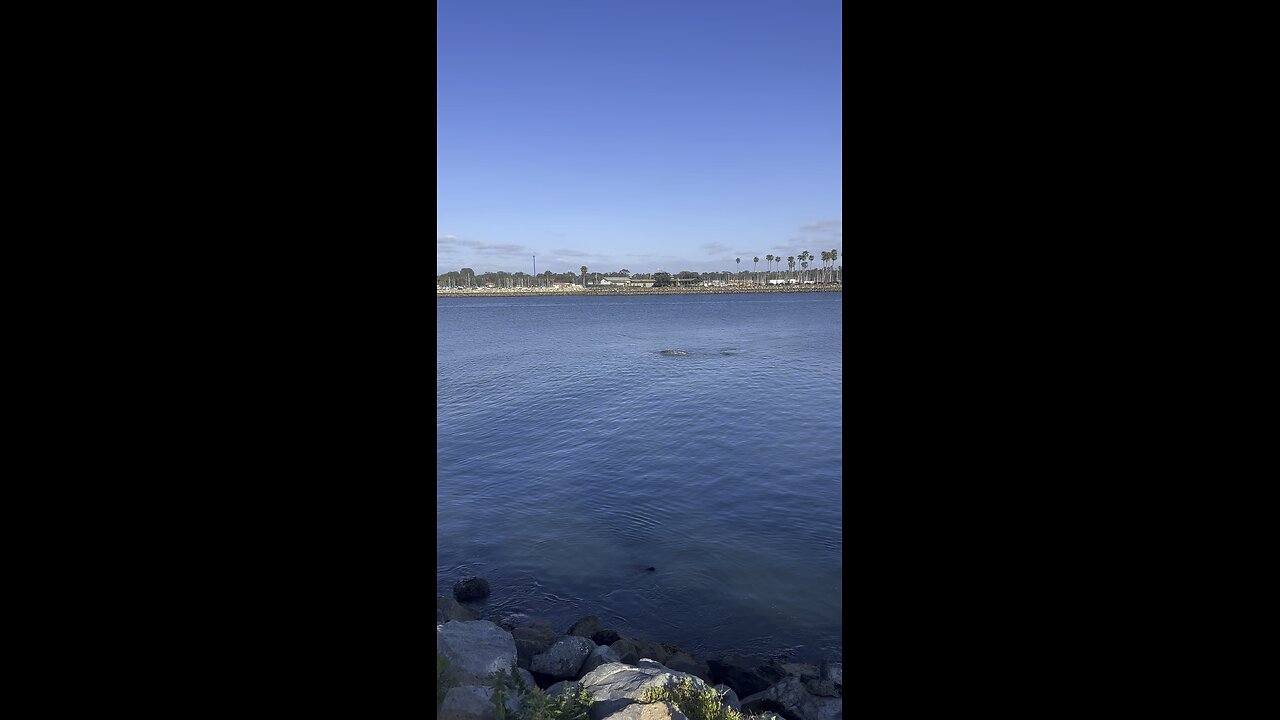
[{"x": 653, "y": 135}]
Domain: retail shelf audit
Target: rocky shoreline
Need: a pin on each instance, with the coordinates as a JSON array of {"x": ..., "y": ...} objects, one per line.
[{"x": 614, "y": 668}]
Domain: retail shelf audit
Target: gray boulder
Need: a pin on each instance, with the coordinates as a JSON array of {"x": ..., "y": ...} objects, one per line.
[
  {"x": 475, "y": 649},
  {"x": 833, "y": 672},
  {"x": 449, "y": 609},
  {"x": 564, "y": 658},
  {"x": 791, "y": 696},
  {"x": 586, "y": 627},
  {"x": 728, "y": 697},
  {"x": 532, "y": 640},
  {"x": 615, "y": 685},
  {"x": 471, "y": 702},
  {"x": 471, "y": 588},
  {"x": 599, "y": 656}
]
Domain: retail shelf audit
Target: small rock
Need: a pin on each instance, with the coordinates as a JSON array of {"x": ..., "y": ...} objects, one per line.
[
  {"x": 586, "y": 627},
  {"x": 600, "y": 656},
  {"x": 563, "y": 687},
  {"x": 471, "y": 588}
]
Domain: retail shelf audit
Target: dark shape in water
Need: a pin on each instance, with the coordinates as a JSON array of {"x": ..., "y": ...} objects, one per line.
[
  {"x": 650, "y": 569},
  {"x": 672, "y": 352},
  {"x": 471, "y": 588}
]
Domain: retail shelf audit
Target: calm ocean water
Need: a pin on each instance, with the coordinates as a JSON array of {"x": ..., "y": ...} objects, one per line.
[{"x": 572, "y": 455}]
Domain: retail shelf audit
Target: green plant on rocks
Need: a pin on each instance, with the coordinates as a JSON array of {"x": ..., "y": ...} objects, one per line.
[
  {"x": 535, "y": 704},
  {"x": 696, "y": 703}
]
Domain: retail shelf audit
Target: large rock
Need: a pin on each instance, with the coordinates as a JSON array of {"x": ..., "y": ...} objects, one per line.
[
  {"x": 652, "y": 650},
  {"x": 626, "y": 650},
  {"x": 564, "y": 658},
  {"x": 471, "y": 588},
  {"x": 606, "y": 637},
  {"x": 615, "y": 686},
  {"x": 743, "y": 675},
  {"x": 791, "y": 697},
  {"x": 449, "y": 609},
  {"x": 599, "y": 656},
  {"x": 532, "y": 640},
  {"x": 833, "y": 672},
  {"x": 586, "y": 627},
  {"x": 475, "y": 649}
]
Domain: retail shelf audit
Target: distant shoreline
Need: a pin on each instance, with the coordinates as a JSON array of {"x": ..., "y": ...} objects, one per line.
[{"x": 598, "y": 291}]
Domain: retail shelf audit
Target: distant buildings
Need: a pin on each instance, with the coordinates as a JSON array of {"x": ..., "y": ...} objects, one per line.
[{"x": 619, "y": 281}]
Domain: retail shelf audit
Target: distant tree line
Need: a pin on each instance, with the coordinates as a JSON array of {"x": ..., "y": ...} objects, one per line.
[{"x": 466, "y": 277}]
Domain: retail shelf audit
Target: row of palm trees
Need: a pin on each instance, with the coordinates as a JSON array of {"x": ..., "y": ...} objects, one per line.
[{"x": 828, "y": 263}]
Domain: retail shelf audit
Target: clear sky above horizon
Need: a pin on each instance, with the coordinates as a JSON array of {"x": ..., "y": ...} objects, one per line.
[{"x": 650, "y": 136}]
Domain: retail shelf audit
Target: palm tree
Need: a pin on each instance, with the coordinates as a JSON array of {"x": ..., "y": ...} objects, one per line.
[
  {"x": 757, "y": 262},
  {"x": 833, "y": 260},
  {"x": 791, "y": 263},
  {"x": 770, "y": 259},
  {"x": 805, "y": 257},
  {"x": 584, "y": 276},
  {"x": 826, "y": 258},
  {"x": 739, "y": 261},
  {"x": 804, "y": 265}
]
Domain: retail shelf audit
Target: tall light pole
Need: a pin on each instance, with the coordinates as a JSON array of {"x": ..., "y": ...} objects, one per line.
[{"x": 535, "y": 270}]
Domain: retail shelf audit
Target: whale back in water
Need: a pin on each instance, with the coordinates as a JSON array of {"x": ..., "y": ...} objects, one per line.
[{"x": 672, "y": 352}]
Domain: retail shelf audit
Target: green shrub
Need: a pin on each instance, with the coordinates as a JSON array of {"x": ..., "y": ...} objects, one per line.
[
  {"x": 695, "y": 703},
  {"x": 535, "y": 704}
]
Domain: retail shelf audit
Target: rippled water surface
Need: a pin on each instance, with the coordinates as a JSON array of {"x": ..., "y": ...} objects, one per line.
[{"x": 572, "y": 455}]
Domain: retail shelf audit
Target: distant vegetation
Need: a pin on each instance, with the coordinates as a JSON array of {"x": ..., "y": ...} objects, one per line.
[{"x": 467, "y": 277}]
